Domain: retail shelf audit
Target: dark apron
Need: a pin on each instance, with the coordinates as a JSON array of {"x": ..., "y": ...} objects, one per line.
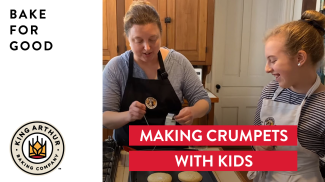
[{"x": 140, "y": 90}]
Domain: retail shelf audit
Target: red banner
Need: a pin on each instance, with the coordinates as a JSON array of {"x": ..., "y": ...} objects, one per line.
[
  {"x": 213, "y": 161},
  {"x": 212, "y": 135}
]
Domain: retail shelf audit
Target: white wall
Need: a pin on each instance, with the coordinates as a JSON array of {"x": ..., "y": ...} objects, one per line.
[
  {"x": 238, "y": 54},
  {"x": 294, "y": 8}
]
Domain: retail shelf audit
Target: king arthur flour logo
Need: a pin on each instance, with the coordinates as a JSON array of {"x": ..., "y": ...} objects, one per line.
[{"x": 37, "y": 148}]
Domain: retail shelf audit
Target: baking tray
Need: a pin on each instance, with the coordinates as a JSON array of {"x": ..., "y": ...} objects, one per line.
[{"x": 141, "y": 176}]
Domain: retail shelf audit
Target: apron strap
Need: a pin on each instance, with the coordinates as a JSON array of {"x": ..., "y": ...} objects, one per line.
[
  {"x": 277, "y": 93},
  {"x": 130, "y": 66},
  {"x": 323, "y": 159},
  {"x": 309, "y": 93},
  {"x": 161, "y": 72},
  {"x": 314, "y": 87}
]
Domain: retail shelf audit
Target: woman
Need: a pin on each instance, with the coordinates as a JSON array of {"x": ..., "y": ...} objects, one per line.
[
  {"x": 143, "y": 85},
  {"x": 296, "y": 96}
]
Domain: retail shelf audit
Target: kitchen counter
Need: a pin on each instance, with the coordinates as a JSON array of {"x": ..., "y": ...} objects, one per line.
[
  {"x": 214, "y": 99},
  {"x": 209, "y": 118},
  {"x": 122, "y": 174}
]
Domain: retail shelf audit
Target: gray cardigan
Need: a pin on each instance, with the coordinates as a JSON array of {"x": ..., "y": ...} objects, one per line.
[{"x": 180, "y": 71}]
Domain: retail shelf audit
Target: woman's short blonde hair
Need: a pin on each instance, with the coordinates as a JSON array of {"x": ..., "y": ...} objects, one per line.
[{"x": 140, "y": 13}]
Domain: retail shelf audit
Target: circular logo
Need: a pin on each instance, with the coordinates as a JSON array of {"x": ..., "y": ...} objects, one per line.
[
  {"x": 37, "y": 148},
  {"x": 269, "y": 121},
  {"x": 151, "y": 102}
]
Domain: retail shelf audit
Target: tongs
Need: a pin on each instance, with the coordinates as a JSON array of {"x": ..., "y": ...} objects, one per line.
[{"x": 126, "y": 148}]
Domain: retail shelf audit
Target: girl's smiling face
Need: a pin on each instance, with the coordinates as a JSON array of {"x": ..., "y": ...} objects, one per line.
[{"x": 279, "y": 63}]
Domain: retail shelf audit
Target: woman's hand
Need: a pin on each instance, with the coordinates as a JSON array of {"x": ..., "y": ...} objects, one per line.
[
  {"x": 185, "y": 116},
  {"x": 264, "y": 148},
  {"x": 136, "y": 111}
]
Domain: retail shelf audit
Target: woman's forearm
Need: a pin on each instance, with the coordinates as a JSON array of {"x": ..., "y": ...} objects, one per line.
[
  {"x": 114, "y": 120},
  {"x": 200, "y": 108}
]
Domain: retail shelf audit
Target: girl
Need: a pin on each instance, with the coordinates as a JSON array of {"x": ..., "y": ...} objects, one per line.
[{"x": 296, "y": 96}]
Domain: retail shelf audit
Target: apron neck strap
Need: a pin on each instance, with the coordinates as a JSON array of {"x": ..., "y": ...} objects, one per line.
[
  {"x": 161, "y": 72},
  {"x": 309, "y": 93},
  {"x": 314, "y": 87},
  {"x": 130, "y": 66},
  {"x": 277, "y": 92}
]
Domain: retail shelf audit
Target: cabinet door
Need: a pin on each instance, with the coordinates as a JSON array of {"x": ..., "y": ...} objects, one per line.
[
  {"x": 160, "y": 6},
  {"x": 188, "y": 28},
  {"x": 109, "y": 30},
  {"x": 106, "y": 133}
]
